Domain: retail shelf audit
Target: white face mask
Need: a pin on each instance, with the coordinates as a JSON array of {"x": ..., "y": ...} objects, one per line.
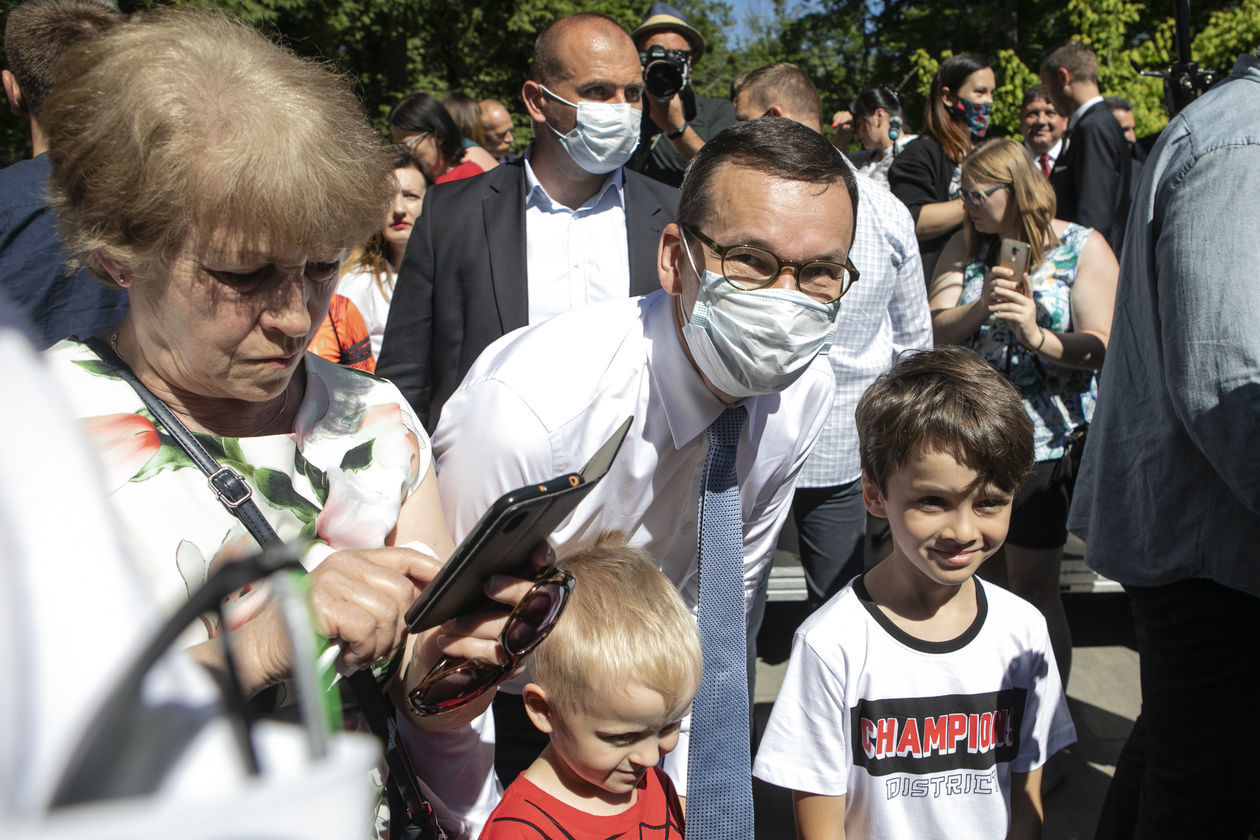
[
  {"x": 605, "y": 136},
  {"x": 758, "y": 341}
]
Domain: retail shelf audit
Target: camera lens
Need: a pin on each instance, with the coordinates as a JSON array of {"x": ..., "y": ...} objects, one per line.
[{"x": 662, "y": 78}]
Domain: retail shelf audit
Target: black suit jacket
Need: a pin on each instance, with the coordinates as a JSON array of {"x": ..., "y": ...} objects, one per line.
[
  {"x": 463, "y": 284},
  {"x": 1091, "y": 177}
]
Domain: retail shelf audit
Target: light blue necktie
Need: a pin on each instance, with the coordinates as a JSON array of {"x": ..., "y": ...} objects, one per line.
[{"x": 719, "y": 778}]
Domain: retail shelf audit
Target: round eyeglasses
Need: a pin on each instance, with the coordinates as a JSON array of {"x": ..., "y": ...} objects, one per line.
[
  {"x": 453, "y": 682},
  {"x": 747, "y": 267},
  {"x": 977, "y": 198}
]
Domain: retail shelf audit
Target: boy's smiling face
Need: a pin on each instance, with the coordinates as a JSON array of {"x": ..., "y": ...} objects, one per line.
[
  {"x": 944, "y": 519},
  {"x": 604, "y": 753}
]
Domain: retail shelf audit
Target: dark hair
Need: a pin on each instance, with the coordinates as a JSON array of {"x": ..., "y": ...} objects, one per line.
[
  {"x": 1075, "y": 57},
  {"x": 771, "y": 145},
  {"x": 947, "y": 400},
  {"x": 780, "y": 83},
  {"x": 373, "y": 257},
  {"x": 549, "y": 65},
  {"x": 39, "y": 31},
  {"x": 421, "y": 112},
  {"x": 953, "y": 136},
  {"x": 866, "y": 103},
  {"x": 1037, "y": 91},
  {"x": 466, "y": 113},
  {"x": 1117, "y": 103}
]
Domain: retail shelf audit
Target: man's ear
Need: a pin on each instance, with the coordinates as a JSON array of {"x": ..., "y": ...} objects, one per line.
[
  {"x": 537, "y": 707},
  {"x": 532, "y": 94},
  {"x": 13, "y": 92},
  {"x": 670, "y": 258},
  {"x": 873, "y": 497}
]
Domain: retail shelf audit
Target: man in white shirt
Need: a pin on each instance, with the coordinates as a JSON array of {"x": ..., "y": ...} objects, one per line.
[
  {"x": 540, "y": 401},
  {"x": 563, "y": 227},
  {"x": 1042, "y": 126},
  {"x": 884, "y": 314}
]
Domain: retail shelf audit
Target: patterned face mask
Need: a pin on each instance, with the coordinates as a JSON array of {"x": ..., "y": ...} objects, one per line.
[{"x": 975, "y": 115}]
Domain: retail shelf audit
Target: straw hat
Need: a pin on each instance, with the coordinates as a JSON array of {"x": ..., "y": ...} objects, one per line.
[{"x": 662, "y": 17}]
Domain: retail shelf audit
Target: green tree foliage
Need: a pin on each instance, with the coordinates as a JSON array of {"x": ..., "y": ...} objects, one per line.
[{"x": 483, "y": 47}]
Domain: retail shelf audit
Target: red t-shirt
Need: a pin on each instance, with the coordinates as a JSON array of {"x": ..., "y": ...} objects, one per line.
[
  {"x": 467, "y": 169},
  {"x": 526, "y": 812}
]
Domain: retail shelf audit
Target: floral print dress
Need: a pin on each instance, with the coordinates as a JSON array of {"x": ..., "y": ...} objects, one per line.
[
  {"x": 1057, "y": 399},
  {"x": 340, "y": 476}
]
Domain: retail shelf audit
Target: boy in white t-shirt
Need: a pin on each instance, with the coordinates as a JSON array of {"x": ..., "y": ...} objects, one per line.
[
  {"x": 920, "y": 702},
  {"x": 611, "y": 685}
]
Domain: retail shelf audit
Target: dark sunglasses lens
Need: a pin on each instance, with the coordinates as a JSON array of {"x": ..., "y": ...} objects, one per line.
[
  {"x": 534, "y": 617},
  {"x": 456, "y": 687}
]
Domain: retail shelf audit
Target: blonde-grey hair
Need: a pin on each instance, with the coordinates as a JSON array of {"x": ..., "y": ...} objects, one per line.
[
  {"x": 1004, "y": 161},
  {"x": 625, "y": 624},
  {"x": 188, "y": 124}
]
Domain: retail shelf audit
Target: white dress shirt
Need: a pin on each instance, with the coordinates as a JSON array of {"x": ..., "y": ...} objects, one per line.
[
  {"x": 1053, "y": 153},
  {"x": 574, "y": 257},
  {"x": 541, "y": 400},
  {"x": 884, "y": 313}
]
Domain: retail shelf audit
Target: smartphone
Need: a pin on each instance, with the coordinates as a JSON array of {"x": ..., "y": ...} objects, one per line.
[
  {"x": 1014, "y": 255},
  {"x": 504, "y": 538}
]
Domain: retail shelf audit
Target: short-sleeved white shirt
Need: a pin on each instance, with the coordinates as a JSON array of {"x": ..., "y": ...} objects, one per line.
[{"x": 922, "y": 737}]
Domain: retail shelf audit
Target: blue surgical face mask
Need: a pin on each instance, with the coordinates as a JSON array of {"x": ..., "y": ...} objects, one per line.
[
  {"x": 605, "y": 136},
  {"x": 756, "y": 341},
  {"x": 975, "y": 115}
]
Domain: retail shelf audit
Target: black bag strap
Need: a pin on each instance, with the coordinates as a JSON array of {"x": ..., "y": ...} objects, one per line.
[{"x": 235, "y": 495}]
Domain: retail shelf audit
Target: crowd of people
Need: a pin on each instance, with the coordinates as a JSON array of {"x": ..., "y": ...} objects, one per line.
[{"x": 275, "y": 326}]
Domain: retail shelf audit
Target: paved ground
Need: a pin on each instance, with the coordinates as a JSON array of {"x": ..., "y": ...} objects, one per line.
[{"x": 1102, "y": 693}]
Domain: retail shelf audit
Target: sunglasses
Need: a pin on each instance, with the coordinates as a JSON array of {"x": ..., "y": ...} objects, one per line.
[
  {"x": 453, "y": 682},
  {"x": 977, "y": 198}
]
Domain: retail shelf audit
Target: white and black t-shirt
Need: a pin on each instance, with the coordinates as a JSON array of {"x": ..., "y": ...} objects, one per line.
[{"x": 922, "y": 737}]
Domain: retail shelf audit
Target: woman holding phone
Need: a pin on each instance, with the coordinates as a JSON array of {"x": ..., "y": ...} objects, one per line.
[{"x": 1046, "y": 329}]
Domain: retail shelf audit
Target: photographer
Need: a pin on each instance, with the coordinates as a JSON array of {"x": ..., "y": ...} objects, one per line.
[{"x": 676, "y": 122}]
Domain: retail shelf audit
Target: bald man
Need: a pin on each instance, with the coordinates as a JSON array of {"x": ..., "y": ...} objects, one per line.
[
  {"x": 565, "y": 226},
  {"x": 498, "y": 127}
]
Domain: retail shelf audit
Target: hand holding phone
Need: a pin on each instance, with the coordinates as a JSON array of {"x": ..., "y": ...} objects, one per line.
[
  {"x": 1013, "y": 254},
  {"x": 504, "y": 538}
]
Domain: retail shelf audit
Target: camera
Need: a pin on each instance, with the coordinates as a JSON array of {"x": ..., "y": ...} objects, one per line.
[{"x": 665, "y": 72}]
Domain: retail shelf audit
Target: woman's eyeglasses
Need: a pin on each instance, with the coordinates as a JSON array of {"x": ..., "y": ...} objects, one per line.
[
  {"x": 411, "y": 144},
  {"x": 452, "y": 682},
  {"x": 977, "y": 198}
]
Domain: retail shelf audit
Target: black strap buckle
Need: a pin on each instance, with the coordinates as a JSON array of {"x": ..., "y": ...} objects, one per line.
[{"x": 228, "y": 485}]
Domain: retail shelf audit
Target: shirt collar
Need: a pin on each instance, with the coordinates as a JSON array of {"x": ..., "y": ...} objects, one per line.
[
  {"x": 611, "y": 194},
  {"x": 1080, "y": 112},
  {"x": 690, "y": 407}
]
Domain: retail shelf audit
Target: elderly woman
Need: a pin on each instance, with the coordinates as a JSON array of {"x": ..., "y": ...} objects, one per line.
[{"x": 219, "y": 183}]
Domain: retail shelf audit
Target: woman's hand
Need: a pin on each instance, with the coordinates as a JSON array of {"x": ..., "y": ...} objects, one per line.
[
  {"x": 471, "y": 636},
  {"x": 1006, "y": 300},
  {"x": 358, "y": 600}
]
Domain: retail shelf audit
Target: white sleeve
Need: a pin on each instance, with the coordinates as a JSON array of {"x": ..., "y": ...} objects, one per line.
[
  {"x": 488, "y": 442},
  {"x": 1047, "y": 725},
  {"x": 806, "y": 744}
]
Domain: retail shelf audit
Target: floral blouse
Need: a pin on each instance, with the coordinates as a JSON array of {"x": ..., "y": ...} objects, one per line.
[
  {"x": 354, "y": 455},
  {"x": 1058, "y": 399}
]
